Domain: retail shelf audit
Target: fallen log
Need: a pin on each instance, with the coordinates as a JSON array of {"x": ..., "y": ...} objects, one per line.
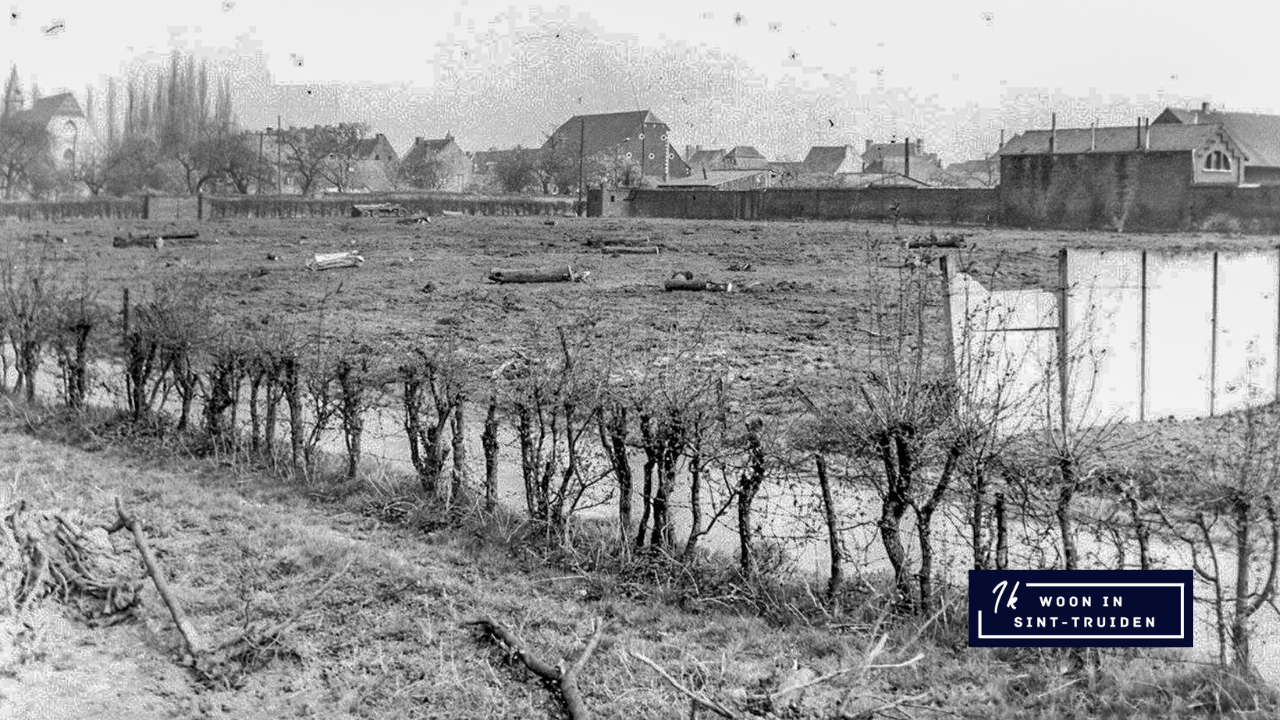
[
  {"x": 332, "y": 261},
  {"x": 933, "y": 241},
  {"x": 631, "y": 250},
  {"x": 146, "y": 241},
  {"x": 565, "y": 273},
  {"x": 564, "y": 679},
  {"x": 686, "y": 281}
]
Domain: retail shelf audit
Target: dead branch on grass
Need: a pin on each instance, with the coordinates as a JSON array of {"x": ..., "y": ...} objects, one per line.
[
  {"x": 697, "y": 699},
  {"x": 190, "y": 637},
  {"x": 564, "y": 679}
]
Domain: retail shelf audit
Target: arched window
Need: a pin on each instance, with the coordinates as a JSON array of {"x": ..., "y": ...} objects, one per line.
[{"x": 1217, "y": 161}]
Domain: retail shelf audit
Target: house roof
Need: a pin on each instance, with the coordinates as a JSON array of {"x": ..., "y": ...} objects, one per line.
[
  {"x": 975, "y": 166},
  {"x": 367, "y": 147},
  {"x": 604, "y": 131},
  {"x": 879, "y": 151},
  {"x": 427, "y": 147},
  {"x": 787, "y": 167},
  {"x": 1164, "y": 138},
  {"x": 1257, "y": 135},
  {"x": 706, "y": 157},
  {"x": 47, "y": 108},
  {"x": 745, "y": 151},
  {"x": 826, "y": 160},
  {"x": 714, "y": 178}
]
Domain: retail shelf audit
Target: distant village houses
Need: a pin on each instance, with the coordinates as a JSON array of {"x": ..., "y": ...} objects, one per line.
[
  {"x": 636, "y": 141},
  {"x": 438, "y": 164}
]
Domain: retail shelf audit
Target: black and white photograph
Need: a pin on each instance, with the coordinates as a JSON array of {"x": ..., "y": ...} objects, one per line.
[{"x": 661, "y": 360}]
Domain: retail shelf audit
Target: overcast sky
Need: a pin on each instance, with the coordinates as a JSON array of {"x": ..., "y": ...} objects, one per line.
[{"x": 778, "y": 75}]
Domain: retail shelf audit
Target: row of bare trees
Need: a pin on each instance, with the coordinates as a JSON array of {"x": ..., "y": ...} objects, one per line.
[{"x": 592, "y": 423}]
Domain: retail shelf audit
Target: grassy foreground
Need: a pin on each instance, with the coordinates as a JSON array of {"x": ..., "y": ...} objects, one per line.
[{"x": 385, "y": 639}]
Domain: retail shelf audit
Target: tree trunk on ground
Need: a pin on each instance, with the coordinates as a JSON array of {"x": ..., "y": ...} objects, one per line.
[
  {"x": 650, "y": 461},
  {"x": 489, "y": 440},
  {"x": 695, "y": 503},
  {"x": 895, "y": 453},
  {"x": 459, "y": 448},
  {"x": 1002, "y": 534},
  {"x": 1066, "y": 524},
  {"x": 613, "y": 438},
  {"x": 833, "y": 531},
  {"x": 752, "y": 480}
]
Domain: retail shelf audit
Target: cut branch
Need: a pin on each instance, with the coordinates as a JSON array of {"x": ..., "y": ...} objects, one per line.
[{"x": 565, "y": 680}]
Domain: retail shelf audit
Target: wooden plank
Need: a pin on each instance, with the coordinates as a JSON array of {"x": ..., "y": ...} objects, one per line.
[{"x": 687, "y": 284}]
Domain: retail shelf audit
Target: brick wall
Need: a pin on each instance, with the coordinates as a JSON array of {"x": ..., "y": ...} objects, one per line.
[
  {"x": 948, "y": 205},
  {"x": 263, "y": 206},
  {"x": 1125, "y": 191}
]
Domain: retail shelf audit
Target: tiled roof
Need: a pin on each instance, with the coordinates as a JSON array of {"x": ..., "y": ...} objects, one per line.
[
  {"x": 714, "y": 178},
  {"x": 826, "y": 160},
  {"x": 1257, "y": 135},
  {"x": 1164, "y": 138},
  {"x": 707, "y": 158},
  {"x": 745, "y": 151},
  {"x": 606, "y": 131},
  {"x": 428, "y": 148},
  {"x": 47, "y": 108}
]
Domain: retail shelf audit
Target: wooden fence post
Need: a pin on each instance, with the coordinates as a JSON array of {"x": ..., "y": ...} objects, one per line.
[
  {"x": 146, "y": 206},
  {"x": 199, "y": 206}
]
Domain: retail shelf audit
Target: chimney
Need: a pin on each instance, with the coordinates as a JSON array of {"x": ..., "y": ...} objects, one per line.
[
  {"x": 1139, "y": 133},
  {"x": 417, "y": 140},
  {"x": 906, "y": 157},
  {"x": 1146, "y": 140},
  {"x": 1053, "y": 132}
]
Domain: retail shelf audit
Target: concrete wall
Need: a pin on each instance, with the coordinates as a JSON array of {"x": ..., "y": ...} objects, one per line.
[
  {"x": 906, "y": 204},
  {"x": 1124, "y": 191},
  {"x": 263, "y": 206}
]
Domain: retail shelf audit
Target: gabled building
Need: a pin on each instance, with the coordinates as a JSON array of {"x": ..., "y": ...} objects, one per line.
[
  {"x": 1138, "y": 176},
  {"x": 375, "y": 165},
  {"x": 451, "y": 168},
  {"x": 831, "y": 160},
  {"x": 901, "y": 158},
  {"x": 724, "y": 180},
  {"x": 1256, "y": 135},
  {"x": 635, "y": 137},
  {"x": 72, "y": 139},
  {"x": 984, "y": 173}
]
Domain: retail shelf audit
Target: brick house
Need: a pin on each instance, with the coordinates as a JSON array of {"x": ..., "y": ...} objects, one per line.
[
  {"x": 1257, "y": 135},
  {"x": 741, "y": 157},
  {"x": 1140, "y": 176},
  {"x": 636, "y": 137},
  {"x": 830, "y": 161},
  {"x": 72, "y": 140},
  {"x": 454, "y": 168},
  {"x": 901, "y": 158},
  {"x": 375, "y": 165}
]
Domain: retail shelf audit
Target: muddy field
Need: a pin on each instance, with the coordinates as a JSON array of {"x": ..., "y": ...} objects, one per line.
[{"x": 804, "y": 292}]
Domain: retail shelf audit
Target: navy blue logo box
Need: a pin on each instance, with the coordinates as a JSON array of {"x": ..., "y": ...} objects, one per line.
[{"x": 1080, "y": 608}]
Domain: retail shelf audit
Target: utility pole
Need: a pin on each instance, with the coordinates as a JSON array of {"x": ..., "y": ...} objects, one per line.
[
  {"x": 643, "y": 157},
  {"x": 257, "y": 171},
  {"x": 582, "y": 151},
  {"x": 279, "y": 174}
]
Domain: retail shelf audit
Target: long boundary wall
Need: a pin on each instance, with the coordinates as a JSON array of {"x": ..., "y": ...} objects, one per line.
[
  {"x": 123, "y": 208},
  {"x": 287, "y": 206},
  {"x": 939, "y": 205}
]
